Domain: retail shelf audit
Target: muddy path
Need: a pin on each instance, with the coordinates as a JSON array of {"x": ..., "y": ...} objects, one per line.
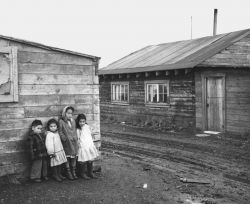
[{"x": 213, "y": 157}]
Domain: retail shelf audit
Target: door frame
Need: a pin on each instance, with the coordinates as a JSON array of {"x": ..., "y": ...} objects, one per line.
[{"x": 204, "y": 77}]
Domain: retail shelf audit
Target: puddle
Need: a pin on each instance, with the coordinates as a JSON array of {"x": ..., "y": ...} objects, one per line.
[
  {"x": 211, "y": 132},
  {"x": 192, "y": 201},
  {"x": 202, "y": 135}
]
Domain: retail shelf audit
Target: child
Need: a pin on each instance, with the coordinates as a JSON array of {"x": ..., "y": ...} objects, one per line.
[
  {"x": 67, "y": 132},
  {"x": 87, "y": 151},
  {"x": 38, "y": 152},
  {"x": 55, "y": 149}
]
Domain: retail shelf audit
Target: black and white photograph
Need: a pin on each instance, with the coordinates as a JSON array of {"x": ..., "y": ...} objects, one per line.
[{"x": 124, "y": 102}]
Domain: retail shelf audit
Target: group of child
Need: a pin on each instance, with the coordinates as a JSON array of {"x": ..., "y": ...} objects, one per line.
[{"x": 66, "y": 142}]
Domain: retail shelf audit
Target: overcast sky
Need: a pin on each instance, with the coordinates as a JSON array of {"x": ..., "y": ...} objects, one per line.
[{"x": 112, "y": 29}]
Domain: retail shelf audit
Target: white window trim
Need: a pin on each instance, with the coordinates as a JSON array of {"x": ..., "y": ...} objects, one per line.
[
  {"x": 119, "y": 102},
  {"x": 13, "y": 96},
  {"x": 146, "y": 93}
]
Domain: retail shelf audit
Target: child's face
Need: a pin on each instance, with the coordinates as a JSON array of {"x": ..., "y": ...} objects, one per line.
[
  {"x": 69, "y": 114},
  {"x": 82, "y": 122},
  {"x": 37, "y": 129},
  {"x": 53, "y": 127}
]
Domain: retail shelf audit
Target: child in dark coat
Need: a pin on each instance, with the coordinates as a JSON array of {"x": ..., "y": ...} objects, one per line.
[
  {"x": 38, "y": 152},
  {"x": 67, "y": 132}
]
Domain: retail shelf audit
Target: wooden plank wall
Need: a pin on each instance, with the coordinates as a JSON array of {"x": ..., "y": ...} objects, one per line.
[
  {"x": 237, "y": 101},
  {"x": 234, "y": 61},
  {"x": 48, "y": 81},
  {"x": 236, "y": 55},
  {"x": 198, "y": 100},
  {"x": 180, "y": 113}
]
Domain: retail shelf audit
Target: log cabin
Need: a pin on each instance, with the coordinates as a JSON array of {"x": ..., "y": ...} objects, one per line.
[
  {"x": 199, "y": 84},
  {"x": 36, "y": 82}
]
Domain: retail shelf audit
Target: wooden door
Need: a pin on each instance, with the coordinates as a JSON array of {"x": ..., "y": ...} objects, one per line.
[{"x": 215, "y": 103}]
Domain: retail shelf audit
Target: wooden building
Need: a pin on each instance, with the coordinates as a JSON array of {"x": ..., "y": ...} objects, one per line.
[
  {"x": 194, "y": 84},
  {"x": 36, "y": 82}
]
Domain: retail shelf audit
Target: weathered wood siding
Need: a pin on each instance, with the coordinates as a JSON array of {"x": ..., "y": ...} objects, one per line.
[
  {"x": 236, "y": 55},
  {"x": 48, "y": 81},
  {"x": 234, "y": 62},
  {"x": 180, "y": 113},
  {"x": 237, "y": 98}
]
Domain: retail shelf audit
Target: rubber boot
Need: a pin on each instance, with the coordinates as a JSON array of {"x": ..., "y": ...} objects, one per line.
[
  {"x": 83, "y": 171},
  {"x": 55, "y": 174},
  {"x": 90, "y": 170},
  {"x": 68, "y": 174},
  {"x": 59, "y": 170},
  {"x": 73, "y": 168},
  {"x": 74, "y": 172}
]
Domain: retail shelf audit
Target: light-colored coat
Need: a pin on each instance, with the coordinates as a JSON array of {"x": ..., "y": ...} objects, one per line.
[{"x": 87, "y": 150}]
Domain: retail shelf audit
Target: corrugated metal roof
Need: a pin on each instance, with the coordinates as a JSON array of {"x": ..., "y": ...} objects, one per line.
[
  {"x": 175, "y": 55},
  {"x": 48, "y": 47}
]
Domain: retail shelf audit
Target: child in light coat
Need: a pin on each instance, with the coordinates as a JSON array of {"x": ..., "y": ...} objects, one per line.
[
  {"x": 55, "y": 149},
  {"x": 87, "y": 151}
]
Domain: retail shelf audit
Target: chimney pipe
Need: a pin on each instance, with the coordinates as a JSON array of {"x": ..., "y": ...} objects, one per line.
[{"x": 215, "y": 22}]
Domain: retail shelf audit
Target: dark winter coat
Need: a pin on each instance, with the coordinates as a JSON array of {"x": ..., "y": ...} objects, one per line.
[
  {"x": 37, "y": 146},
  {"x": 68, "y": 135}
]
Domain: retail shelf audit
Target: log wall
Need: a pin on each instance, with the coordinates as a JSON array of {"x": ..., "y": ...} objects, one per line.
[
  {"x": 178, "y": 114},
  {"x": 48, "y": 81}
]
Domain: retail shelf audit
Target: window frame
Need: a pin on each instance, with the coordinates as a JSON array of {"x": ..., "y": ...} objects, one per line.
[
  {"x": 13, "y": 96},
  {"x": 122, "y": 102},
  {"x": 157, "y": 82}
]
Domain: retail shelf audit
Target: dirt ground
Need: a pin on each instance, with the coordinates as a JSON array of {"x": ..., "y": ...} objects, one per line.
[
  {"x": 145, "y": 166},
  {"x": 121, "y": 181}
]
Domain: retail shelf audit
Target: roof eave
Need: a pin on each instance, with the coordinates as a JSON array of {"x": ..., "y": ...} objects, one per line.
[
  {"x": 35, "y": 44},
  {"x": 164, "y": 67}
]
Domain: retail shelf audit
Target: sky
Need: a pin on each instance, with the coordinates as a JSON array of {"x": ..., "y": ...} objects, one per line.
[{"x": 112, "y": 29}]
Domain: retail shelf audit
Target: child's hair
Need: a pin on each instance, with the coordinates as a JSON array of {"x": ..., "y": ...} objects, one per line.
[
  {"x": 36, "y": 123},
  {"x": 79, "y": 117},
  {"x": 52, "y": 121},
  {"x": 69, "y": 107}
]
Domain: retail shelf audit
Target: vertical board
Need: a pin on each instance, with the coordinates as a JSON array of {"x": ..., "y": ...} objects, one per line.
[
  {"x": 214, "y": 104},
  {"x": 213, "y": 101}
]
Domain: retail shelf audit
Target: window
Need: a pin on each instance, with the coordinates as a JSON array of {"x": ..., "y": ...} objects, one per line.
[
  {"x": 157, "y": 92},
  {"x": 120, "y": 92},
  {"x": 8, "y": 74}
]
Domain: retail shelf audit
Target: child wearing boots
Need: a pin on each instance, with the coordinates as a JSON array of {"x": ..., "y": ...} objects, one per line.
[
  {"x": 55, "y": 149},
  {"x": 87, "y": 151},
  {"x": 38, "y": 152},
  {"x": 68, "y": 135}
]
